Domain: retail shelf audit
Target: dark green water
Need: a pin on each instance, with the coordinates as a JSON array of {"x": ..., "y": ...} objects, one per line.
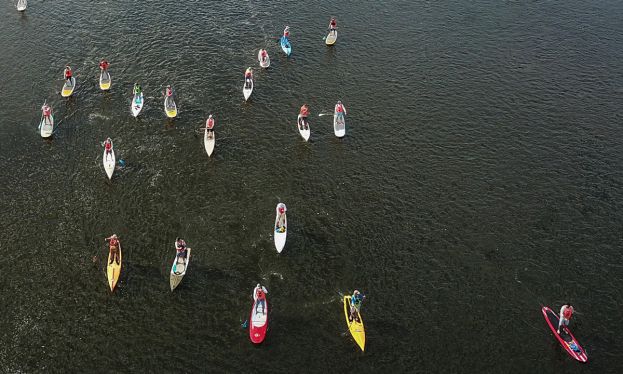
[{"x": 480, "y": 178}]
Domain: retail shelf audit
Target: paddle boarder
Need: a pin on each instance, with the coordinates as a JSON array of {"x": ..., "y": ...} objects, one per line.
[
  {"x": 304, "y": 112},
  {"x": 180, "y": 247},
  {"x": 108, "y": 146},
  {"x": 332, "y": 25},
  {"x": 281, "y": 219},
  {"x": 169, "y": 91},
  {"x": 286, "y": 31},
  {"x": 137, "y": 89},
  {"x": 104, "y": 64},
  {"x": 355, "y": 305},
  {"x": 210, "y": 126},
  {"x": 248, "y": 77},
  {"x": 340, "y": 109},
  {"x": 566, "y": 311},
  {"x": 47, "y": 111},
  {"x": 113, "y": 243},
  {"x": 264, "y": 54},
  {"x": 68, "y": 73},
  {"x": 260, "y": 298}
]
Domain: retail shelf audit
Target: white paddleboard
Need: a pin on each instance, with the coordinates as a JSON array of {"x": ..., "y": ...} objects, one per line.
[
  {"x": 69, "y": 87},
  {"x": 178, "y": 270},
  {"x": 259, "y": 58},
  {"x": 331, "y": 38},
  {"x": 247, "y": 91},
  {"x": 339, "y": 123},
  {"x": 208, "y": 141},
  {"x": 137, "y": 104},
  {"x": 105, "y": 80},
  {"x": 22, "y": 5},
  {"x": 280, "y": 228},
  {"x": 304, "y": 130},
  {"x": 109, "y": 161},
  {"x": 47, "y": 126},
  {"x": 170, "y": 107}
]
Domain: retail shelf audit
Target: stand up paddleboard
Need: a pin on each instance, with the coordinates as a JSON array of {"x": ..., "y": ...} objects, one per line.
[
  {"x": 105, "y": 80},
  {"x": 170, "y": 108},
  {"x": 286, "y": 47},
  {"x": 281, "y": 228},
  {"x": 331, "y": 38},
  {"x": 263, "y": 64},
  {"x": 178, "y": 270},
  {"x": 247, "y": 91},
  {"x": 259, "y": 318},
  {"x": 22, "y": 5},
  {"x": 109, "y": 161},
  {"x": 137, "y": 104},
  {"x": 68, "y": 87},
  {"x": 114, "y": 268},
  {"x": 46, "y": 126},
  {"x": 355, "y": 326},
  {"x": 565, "y": 338},
  {"x": 208, "y": 141},
  {"x": 303, "y": 124},
  {"x": 339, "y": 123}
]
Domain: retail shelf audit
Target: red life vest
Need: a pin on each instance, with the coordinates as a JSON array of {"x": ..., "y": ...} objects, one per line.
[
  {"x": 260, "y": 295},
  {"x": 568, "y": 312},
  {"x": 210, "y": 123},
  {"x": 68, "y": 73}
]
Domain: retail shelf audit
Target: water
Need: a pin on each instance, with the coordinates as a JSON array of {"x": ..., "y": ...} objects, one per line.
[{"x": 480, "y": 177}]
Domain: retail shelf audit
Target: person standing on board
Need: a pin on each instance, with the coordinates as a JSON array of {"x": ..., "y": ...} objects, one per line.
[
  {"x": 108, "y": 146},
  {"x": 169, "y": 91},
  {"x": 210, "y": 126},
  {"x": 248, "y": 77},
  {"x": 260, "y": 296},
  {"x": 180, "y": 247},
  {"x": 104, "y": 64},
  {"x": 137, "y": 89},
  {"x": 304, "y": 112},
  {"x": 340, "y": 109},
  {"x": 47, "y": 111},
  {"x": 68, "y": 73},
  {"x": 355, "y": 305},
  {"x": 566, "y": 311},
  {"x": 114, "y": 247},
  {"x": 286, "y": 32},
  {"x": 332, "y": 25},
  {"x": 264, "y": 54},
  {"x": 281, "y": 220}
]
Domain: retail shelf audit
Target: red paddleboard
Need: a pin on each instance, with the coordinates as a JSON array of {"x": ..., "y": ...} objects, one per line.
[
  {"x": 565, "y": 338},
  {"x": 259, "y": 319}
]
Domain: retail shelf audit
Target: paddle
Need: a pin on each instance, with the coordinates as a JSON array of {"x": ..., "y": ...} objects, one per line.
[{"x": 325, "y": 114}]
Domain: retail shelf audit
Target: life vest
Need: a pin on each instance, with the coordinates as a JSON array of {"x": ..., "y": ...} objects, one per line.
[
  {"x": 210, "y": 123},
  {"x": 567, "y": 313},
  {"x": 108, "y": 147},
  {"x": 68, "y": 73},
  {"x": 260, "y": 294}
]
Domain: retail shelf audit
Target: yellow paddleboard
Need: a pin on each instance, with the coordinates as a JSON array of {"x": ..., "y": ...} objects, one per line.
[
  {"x": 114, "y": 269},
  {"x": 170, "y": 108},
  {"x": 68, "y": 88},
  {"x": 105, "y": 80},
  {"x": 355, "y": 326}
]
